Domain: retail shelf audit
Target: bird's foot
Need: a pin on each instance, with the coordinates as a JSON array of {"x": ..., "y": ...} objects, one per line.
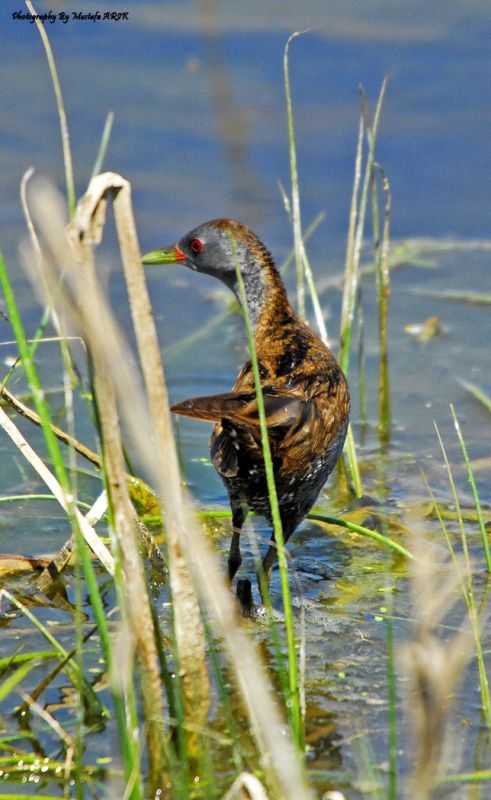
[
  {"x": 243, "y": 592},
  {"x": 250, "y": 609}
]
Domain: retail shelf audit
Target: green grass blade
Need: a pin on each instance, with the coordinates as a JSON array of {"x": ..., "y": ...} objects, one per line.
[
  {"x": 354, "y": 528},
  {"x": 32, "y": 376},
  {"x": 22, "y": 658},
  {"x": 350, "y": 266},
  {"x": 382, "y": 281},
  {"x": 9, "y": 684},
  {"x": 106, "y": 135},
  {"x": 362, "y": 375},
  {"x": 319, "y": 317},
  {"x": 65, "y": 136},
  {"x": 472, "y": 482},
  {"x": 353, "y": 462},
  {"x": 478, "y": 393},
  {"x": 475, "y": 298},
  {"x": 297, "y": 225},
  {"x": 293, "y": 707},
  {"x": 72, "y": 667},
  {"x": 392, "y": 698}
]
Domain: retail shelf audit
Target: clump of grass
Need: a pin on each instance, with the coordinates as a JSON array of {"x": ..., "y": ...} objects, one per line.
[
  {"x": 364, "y": 184},
  {"x": 363, "y": 188},
  {"x": 435, "y": 664},
  {"x": 292, "y": 204},
  {"x": 433, "y": 667},
  {"x": 359, "y": 202},
  {"x": 475, "y": 494},
  {"x": 465, "y": 574}
]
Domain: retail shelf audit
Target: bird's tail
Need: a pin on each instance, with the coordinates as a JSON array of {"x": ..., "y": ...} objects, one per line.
[
  {"x": 281, "y": 408},
  {"x": 212, "y": 408}
]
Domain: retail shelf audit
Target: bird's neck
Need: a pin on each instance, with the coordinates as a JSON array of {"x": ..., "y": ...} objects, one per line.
[
  {"x": 256, "y": 291},
  {"x": 267, "y": 301}
]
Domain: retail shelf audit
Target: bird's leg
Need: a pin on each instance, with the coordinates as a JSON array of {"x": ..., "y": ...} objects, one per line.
[
  {"x": 270, "y": 557},
  {"x": 234, "y": 556},
  {"x": 267, "y": 567}
]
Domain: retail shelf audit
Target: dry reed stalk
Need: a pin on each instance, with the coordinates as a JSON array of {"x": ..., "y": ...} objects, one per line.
[
  {"x": 89, "y": 534},
  {"x": 278, "y": 755},
  {"x": 246, "y": 787},
  {"x": 82, "y": 236},
  {"x": 55, "y": 726},
  {"x": 61, "y": 435},
  {"x": 190, "y": 637},
  {"x": 141, "y": 494},
  {"x": 187, "y": 619}
]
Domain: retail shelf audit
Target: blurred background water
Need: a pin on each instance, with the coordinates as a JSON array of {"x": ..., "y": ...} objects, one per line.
[{"x": 200, "y": 130}]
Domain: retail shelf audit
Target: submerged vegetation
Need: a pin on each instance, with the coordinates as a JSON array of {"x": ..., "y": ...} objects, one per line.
[{"x": 141, "y": 636}]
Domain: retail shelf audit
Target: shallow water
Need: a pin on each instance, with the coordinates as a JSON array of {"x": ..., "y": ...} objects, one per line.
[{"x": 200, "y": 130}]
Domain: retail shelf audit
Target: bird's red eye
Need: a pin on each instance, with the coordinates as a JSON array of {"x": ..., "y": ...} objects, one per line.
[{"x": 196, "y": 246}]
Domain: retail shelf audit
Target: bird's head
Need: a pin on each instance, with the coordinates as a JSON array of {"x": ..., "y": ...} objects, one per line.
[{"x": 214, "y": 248}]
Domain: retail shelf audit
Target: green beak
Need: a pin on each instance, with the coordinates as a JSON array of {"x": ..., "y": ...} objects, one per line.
[{"x": 168, "y": 255}]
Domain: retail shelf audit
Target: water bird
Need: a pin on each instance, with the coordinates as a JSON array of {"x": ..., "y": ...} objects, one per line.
[{"x": 306, "y": 395}]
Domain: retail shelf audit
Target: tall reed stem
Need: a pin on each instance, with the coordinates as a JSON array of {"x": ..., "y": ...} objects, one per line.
[
  {"x": 65, "y": 136},
  {"x": 297, "y": 224},
  {"x": 382, "y": 280}
]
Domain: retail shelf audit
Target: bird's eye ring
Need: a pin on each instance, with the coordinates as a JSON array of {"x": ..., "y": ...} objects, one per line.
[{"x": 196, "y": 246}]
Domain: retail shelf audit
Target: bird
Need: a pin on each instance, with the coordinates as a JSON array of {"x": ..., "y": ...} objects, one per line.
[{"x": 305, "y": 392}]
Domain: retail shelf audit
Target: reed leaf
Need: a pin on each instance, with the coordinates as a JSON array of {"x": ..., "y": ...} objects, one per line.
[
  {"x": 472, "y": 482},
  {"x": 295, "y": 194},
  {"x": 293, "y": 705},
  {"x": 65, "y": 136}
]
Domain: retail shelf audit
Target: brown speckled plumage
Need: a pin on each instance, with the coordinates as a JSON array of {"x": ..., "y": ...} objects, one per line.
[{"x": 305, "y": 392}]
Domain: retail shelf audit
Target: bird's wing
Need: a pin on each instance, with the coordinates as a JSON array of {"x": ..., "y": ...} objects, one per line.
[{"x": 281, "y": 408}]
